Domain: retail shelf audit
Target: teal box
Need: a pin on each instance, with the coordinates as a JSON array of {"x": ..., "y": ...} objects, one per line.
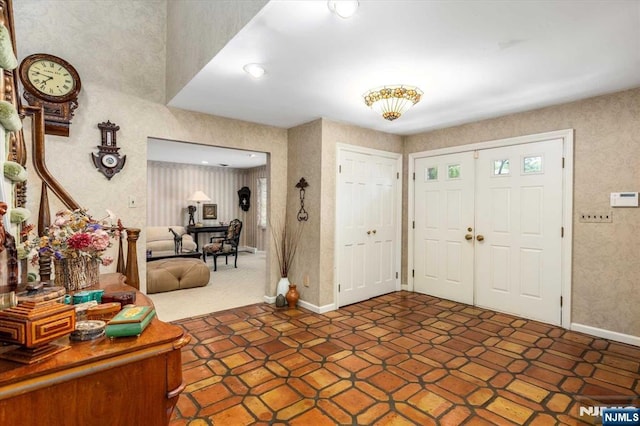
[
  {"x": 81, "y": 297},
  {"x": 96, "y": 295}
]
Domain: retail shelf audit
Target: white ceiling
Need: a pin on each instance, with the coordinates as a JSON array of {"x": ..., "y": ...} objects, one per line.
[
  {"x": 190, "y": 153},
  {"x": 472, "y": 59}
]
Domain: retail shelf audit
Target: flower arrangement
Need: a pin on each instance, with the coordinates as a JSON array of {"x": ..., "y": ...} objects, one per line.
[
  {"x": 73, "y": 234},
  {"x": 286, "y": 241}
]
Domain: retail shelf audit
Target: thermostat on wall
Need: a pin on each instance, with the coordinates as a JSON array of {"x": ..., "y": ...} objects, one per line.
[{"x": 624, "y": 199}]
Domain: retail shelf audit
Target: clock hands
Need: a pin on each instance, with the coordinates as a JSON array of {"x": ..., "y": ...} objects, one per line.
[{"x": 43, "y": 82}]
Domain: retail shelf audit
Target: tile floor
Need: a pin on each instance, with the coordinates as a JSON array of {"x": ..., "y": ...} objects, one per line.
[{"x": 399, "y": 359}]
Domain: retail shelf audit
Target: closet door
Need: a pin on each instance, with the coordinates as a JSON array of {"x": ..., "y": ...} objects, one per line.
[
  {"x": 444, "y": 220},
  {"x": 367, "y": 223}
]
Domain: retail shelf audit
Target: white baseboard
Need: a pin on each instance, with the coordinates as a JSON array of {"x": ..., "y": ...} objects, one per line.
[
  {"x": 606, "y": 334},
  {"x": 247, "y": 249},
  {"x": 313, "y": 308},
  {"x": 317, "y": 309}
]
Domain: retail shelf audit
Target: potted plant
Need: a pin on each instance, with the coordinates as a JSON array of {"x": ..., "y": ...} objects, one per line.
[{"x": 287, "y": 241}]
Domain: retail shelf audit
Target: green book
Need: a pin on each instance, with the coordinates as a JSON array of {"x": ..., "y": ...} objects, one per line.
[{"x": 130, "y": 321}]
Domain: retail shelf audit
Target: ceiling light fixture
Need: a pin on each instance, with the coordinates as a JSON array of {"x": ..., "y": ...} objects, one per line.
[
  {"x": 204, "y": 162},
  {"x": 392, "y": 101},
  {"x": 343, "y": 8},
  {"x": 254, "y": 70}
]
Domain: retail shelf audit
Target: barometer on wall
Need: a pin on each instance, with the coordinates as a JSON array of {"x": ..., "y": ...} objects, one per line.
[{"x": 108, "y": 160}]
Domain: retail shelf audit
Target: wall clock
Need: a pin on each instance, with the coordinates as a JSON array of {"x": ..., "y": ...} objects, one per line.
[
  {"x": 54, "y": 84},
  {"x": 108, "y": 160}
]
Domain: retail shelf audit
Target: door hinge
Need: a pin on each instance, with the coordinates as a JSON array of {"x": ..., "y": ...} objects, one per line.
[
  {"x": 563, "y": 162},
  {"x": 413, "y": 272},
  {"x": 414, "y": 176},
  {"x": 338, "y": 288},
  {"x": 396, "y": 275},
  {"x": 562, "y": 232},
  {"x": 340, "y": 169},
  {"x": 414, "y": 224},
  {"x": 398, "y": 175},
  {"x": 561, "y": 301}
]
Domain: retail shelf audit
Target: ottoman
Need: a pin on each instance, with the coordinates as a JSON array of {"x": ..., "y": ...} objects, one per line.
[{"x": 175, "y": 274}]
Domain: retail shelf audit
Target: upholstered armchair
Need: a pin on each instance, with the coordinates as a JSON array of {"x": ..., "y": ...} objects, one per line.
[{"x": 227, "y": 246}]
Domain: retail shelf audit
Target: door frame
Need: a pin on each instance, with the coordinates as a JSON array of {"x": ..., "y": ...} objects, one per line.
[
  {"x": 566, "y": 136},
  {"x": 397, "y": 156}
]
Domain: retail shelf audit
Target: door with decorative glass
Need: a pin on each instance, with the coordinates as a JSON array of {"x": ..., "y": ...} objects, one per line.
[
  {"x": 444, "y": 216},
  {"x": 488, "y": 228}
]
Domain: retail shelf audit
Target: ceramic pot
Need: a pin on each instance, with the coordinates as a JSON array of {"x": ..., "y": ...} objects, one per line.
[
  {"x": 283, "y": 286},
  {"x": 292, "y": 296}
]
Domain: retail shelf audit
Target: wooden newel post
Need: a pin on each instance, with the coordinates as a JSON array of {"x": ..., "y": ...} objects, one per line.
[
  {"x": 133, "y": 278},
  {"x": 44, "y": 221}
]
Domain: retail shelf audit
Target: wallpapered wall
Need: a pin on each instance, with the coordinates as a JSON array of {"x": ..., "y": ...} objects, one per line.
[
  {"x": 126, "y": 87},
  {"x": 171, "y": 184},
  {"x": 312, "y": 155},
  {"x": 606, "y": 256},
  {"x": 98, "y": 30},
  {"x": 254, "y": 235}
]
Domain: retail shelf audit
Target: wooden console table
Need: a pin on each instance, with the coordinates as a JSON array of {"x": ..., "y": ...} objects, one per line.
[
  {"x": 122, "y": 381},
  {"x": 195, "y": 230}
]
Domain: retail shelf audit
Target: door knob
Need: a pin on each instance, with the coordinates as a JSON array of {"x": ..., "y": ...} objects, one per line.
[
  {"x": 368, "y": 232},
  {"x": 468, "y": 237},
  {"x": 374, "y": 231},
  {"x": 480, "y": 238}
]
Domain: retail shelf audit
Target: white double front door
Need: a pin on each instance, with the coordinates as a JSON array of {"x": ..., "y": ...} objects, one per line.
[{"x": 488, "y": 228}]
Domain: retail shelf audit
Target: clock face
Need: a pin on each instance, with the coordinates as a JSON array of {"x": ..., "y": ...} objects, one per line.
[
  {"x": 109, "y": 160},
  {"x": 51, "y": 78}
]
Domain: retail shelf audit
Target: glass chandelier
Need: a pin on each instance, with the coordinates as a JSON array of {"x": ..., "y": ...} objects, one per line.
[{"x": 392, "y": 101}]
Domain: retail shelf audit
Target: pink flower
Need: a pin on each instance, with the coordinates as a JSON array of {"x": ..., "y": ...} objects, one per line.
[
  {"x": 100, "y": 240},
  {"x": 107, "y": 260},
  {"x": 60, "y": 221}
]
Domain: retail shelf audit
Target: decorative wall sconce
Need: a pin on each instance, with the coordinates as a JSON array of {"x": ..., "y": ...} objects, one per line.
[
  {"x": 302, "y": 213},
  {"x": 108, "y": 160},
  {"x": 244, "y": 194}
]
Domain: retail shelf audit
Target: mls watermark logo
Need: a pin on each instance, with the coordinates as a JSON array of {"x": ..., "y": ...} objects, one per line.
[
  {"x": 620, "y": 416},
  {"x": 619, "y": 410}
]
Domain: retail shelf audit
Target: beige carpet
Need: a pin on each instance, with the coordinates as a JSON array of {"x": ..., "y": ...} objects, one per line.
[{"x": 228, "y": 288}]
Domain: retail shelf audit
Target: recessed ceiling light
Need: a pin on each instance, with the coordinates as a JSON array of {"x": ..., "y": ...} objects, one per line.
[
  {"x": 204, "y": 162},
  {"x": 252, "y": 155},
  {"x": 254, "y": 70},
  {"x": 343, "y": 8}
]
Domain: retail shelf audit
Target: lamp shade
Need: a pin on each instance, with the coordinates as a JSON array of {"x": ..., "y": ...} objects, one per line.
[
  {"x": 199, "y": 196},
  {"x": 392, "y": 101}
]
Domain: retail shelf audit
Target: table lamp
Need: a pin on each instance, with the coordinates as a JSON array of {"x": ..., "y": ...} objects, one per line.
[{"x": 199, "y": 197}]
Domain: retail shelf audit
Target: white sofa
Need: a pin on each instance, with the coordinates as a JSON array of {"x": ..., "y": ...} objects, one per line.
[{"x": 160, "y": 239}]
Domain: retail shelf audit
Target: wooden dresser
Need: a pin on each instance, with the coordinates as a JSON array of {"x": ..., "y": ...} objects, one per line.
[{"x": 123, "y": 381}]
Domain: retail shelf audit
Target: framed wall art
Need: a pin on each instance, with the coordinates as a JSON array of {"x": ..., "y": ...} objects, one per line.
[{"x": 209, "y": 211}]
